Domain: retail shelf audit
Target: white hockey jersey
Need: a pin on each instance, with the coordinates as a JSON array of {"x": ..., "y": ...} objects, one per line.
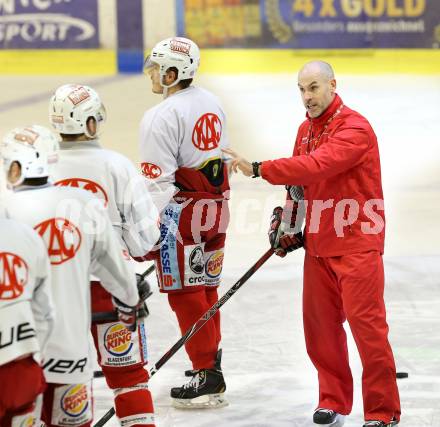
[
  {"x": 114, "y": 180},
  {"x": 26, "y": 308},
  {"x": 80, "y": 240},
  {"x": 184, "y": 130}
]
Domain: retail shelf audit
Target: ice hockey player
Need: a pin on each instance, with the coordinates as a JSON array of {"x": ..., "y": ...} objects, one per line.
[
  {"x": 77, "y": 113},
  {"x": 80, "y": 240},
  {"x": 180, "y": 144},
  {"x": 26, "y": 321}
]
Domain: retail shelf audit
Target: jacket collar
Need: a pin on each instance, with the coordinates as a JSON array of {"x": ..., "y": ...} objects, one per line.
[
  {"x": 331, "y": 109},
  {"x": 80, "y": 145}
]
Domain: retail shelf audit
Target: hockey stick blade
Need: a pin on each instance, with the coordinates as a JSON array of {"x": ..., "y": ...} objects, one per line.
[{"x": 198, "y": 325}]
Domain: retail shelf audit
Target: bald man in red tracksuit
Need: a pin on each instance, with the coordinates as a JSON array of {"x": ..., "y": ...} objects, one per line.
[{"x": 336, "y": 161}]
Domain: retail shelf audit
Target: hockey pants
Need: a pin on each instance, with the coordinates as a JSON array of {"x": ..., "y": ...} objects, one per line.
[
  {"x": 22, "y": 380},
  {"x": 189, "y": 307}
]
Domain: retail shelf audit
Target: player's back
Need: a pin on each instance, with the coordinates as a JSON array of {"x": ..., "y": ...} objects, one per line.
[
  {"x": 78, "y": 239},
  {"x": 25, "y": 319},
  {"x": 113, "y": 179}
]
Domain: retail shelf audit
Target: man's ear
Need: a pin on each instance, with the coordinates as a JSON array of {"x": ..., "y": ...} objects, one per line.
[
  {"x": 170, "y": 76},
  {"x": 14, "y": 172},
  {"x": 91, "y": 126},
  {"x": 333, "y": 85}
]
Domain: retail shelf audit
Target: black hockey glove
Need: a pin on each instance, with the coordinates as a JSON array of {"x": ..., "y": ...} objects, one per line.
[
  {"x": 127, "y": 315},
  {"x": 144, "y": 290},
  {"x": 282, "y": 236}
]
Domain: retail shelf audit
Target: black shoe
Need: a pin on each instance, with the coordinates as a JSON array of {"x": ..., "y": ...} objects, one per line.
[
  {"x": 328, "y": 417},
  {"x": 380, "y": 423},
  {"x": 204, "y": 390}
]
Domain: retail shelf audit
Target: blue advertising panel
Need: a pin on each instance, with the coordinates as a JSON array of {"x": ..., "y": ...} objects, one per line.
[
  {"x": 306, "y": 24},
  {"x": 49, "y": 24}
]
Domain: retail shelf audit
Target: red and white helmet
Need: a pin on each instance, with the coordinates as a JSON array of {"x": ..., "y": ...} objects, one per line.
[
  {"x": 34, "y": 147},
  {"x": 178, "y": 52},
  {"x": 72, "y": 106}
]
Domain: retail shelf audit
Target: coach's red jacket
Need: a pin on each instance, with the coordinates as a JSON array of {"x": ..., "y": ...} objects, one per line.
[{"x": 339, "y": 168}]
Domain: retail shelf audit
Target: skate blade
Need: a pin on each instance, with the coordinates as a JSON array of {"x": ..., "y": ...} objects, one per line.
[{"x": 208, "y": 401}]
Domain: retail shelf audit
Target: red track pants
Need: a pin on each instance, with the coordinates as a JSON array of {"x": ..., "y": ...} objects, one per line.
[{"x": 349, "y": 287}]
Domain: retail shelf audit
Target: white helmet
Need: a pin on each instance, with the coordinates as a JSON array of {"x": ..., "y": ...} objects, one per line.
[
  {"x": 177, "y": 52},
  {"x": 34, "y": 147},
  {"x": 72, "y": 106}
]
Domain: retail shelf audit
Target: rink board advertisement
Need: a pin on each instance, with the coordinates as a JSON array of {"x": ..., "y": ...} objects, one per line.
[
  {"x": 49, "y": 24},
  {"x": 310, "y": 24}
]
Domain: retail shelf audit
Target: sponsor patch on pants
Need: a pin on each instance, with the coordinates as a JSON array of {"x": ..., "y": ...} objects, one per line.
[
  {"x": 118, "y": 346},
  {"x": 24, "y": 420},
  {"x": 194, "y": 265},
  {"x": 72, "y": 405},
  {"x": 213, "y": 267},
  {"x": 169, "y": 267}
]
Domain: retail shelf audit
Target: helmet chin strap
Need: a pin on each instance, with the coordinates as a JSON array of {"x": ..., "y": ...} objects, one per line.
[{"x": 166, "y": 87}]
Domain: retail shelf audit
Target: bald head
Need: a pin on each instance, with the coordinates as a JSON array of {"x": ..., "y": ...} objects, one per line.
[
  {"x": 321, "y": 68},
  {"x": 317, "y": 84}
]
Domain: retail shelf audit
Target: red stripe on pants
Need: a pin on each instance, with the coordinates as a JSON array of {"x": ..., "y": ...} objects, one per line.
[{"x": 349, "y": 287}]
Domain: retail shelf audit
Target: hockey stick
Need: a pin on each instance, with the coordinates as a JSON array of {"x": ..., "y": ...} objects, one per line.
[
  {"x": 198, "y": 325},
  {"x": 148, "y": 271}
]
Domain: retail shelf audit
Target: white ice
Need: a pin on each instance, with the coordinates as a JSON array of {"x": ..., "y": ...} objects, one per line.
[{"x": 270, "y": 381}]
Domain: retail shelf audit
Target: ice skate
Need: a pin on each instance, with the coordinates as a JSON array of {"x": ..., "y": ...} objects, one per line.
[
  {"x": 205, "y": 390},
  {"x": 328, "y": 417}
]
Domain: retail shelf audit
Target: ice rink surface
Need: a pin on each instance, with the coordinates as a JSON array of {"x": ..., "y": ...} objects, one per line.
[{"x": 270, "y": 381}]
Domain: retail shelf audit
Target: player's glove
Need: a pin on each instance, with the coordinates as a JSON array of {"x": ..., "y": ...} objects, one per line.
[
  {"x": 282, "y": 236},
  {"x": 144, "y": 290},
  {"x": 127, "y": 315}
]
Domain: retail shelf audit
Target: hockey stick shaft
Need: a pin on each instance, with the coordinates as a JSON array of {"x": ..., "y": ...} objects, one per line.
[
  {"x": 148, "y": 271},
  {"x": 198, "y": 325}
]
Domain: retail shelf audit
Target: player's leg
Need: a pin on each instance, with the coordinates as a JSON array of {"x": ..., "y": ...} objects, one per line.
[
  {"x": 68, "y": 405},
  {"x": 325, "y": 336},
  {"x": 122, "y": 356},
  {"x": 189, "y": 307},
  {"x": 180, "y": 266},
  {"x": 214, "y": 256},
  {"x": 18, "y": 405},
  {"x": 362, "y": 280}
]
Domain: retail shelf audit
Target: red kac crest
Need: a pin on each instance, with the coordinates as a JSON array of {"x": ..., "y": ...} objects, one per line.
[
  {"x": 150, "y": 170},
  {"x": 207, "y": 132},
  {"x": 63, "y": 239},
  {"x": 14, "y": 274},
  {"x": 85, "y": 184}
]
